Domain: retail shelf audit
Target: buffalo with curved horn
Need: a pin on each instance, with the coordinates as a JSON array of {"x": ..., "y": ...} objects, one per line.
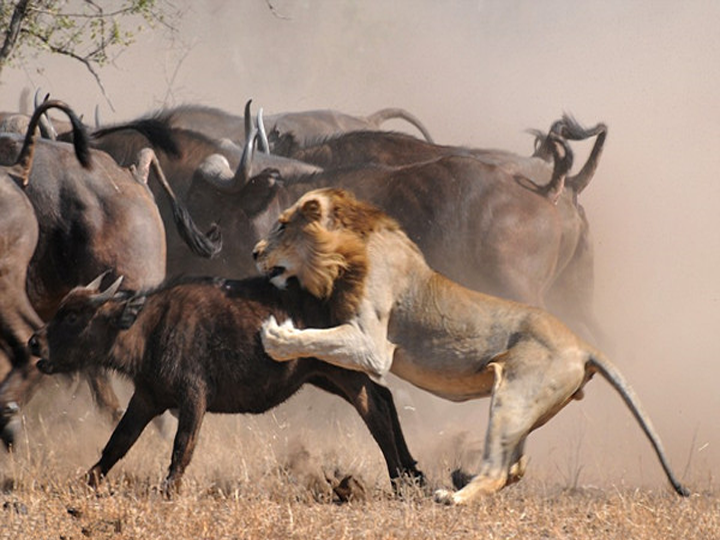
[{"x": 91, "y": 215}]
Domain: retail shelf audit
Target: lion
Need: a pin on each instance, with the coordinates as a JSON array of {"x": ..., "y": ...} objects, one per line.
[{"x": 393, "y": 313}]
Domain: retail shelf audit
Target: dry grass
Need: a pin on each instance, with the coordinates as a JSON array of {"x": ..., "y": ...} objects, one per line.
[
  {"x": 131, "y": 508},
  {"x": 258, "y": 477}
]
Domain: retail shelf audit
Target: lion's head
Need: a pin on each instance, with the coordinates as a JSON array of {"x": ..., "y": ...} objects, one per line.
[{"x": 322, "y": 241}]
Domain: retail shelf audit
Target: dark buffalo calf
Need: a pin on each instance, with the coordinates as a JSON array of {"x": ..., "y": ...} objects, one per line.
[{"x": 194, "y": 346}]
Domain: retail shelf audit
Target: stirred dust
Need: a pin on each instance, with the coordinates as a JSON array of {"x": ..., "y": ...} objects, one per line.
[{"x": 477, "y": 74}]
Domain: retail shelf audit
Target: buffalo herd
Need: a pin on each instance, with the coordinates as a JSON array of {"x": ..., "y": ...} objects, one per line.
[{"x": 168, "y": 207}]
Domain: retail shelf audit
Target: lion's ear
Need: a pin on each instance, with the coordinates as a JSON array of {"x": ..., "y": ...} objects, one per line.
[{"x": 312, "y": 210}]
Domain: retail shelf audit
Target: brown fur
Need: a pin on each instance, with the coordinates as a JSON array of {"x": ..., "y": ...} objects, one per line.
[{"x": 193, "y": 346}]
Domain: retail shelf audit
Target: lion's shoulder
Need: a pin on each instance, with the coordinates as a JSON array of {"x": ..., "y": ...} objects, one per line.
[{"x": 368, "y": 225}]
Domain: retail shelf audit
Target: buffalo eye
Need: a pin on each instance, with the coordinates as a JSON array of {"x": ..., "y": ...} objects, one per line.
[{"x": 71, "y": 318}]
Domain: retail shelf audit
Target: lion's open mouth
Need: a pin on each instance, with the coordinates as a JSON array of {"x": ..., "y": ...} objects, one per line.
[
  {"x": 276, "y": 271},
  {"x": 278, "y": 276}
]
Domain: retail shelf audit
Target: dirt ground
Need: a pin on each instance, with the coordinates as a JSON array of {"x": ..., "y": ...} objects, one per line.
[{"x": 276, "y": 476}]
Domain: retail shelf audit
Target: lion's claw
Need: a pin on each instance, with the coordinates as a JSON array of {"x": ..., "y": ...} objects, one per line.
[{"x": 276, "y": 338}]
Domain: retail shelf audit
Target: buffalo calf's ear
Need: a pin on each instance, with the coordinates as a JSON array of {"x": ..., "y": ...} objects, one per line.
[
  {"x": 130, "y": 312},
  {"x": 312, "y": 210}
]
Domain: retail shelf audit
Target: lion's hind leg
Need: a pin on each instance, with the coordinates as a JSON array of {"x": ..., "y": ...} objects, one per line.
[
  {"x": 529, "y": 389},
  {"x": 493, "y": 475},
  {"x": 518, "y": 465},
  {"x": 461, "y": 478}
]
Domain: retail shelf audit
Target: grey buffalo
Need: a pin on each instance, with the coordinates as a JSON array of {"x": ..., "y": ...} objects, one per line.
[
  {"x": 287, "y": 131},
  {"x": 482, "y": 220}
]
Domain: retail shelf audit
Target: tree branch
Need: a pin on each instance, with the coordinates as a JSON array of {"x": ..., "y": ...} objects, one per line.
[
  {"x": 100, "y": 15},
  {"x": 88, "y": 34},
  {"x": 83, "y": 60},
  {"x": 275, "y": 12},
  {"x": 171, "y": 79},
  {"x": 13, "y": 30}
]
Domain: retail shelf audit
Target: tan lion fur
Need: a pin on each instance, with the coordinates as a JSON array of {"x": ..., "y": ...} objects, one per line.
[
  {"x": 395, "y": 314},
  {"x": 332, "y": 263}
]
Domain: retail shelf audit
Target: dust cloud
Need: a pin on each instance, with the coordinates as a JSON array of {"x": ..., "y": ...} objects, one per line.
[{"x": 480, "y": 73}]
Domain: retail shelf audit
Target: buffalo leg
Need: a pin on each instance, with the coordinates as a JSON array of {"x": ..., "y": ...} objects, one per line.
[
  {"x": 16, "y": 390},
  {"x": 190, "y": 416},
  {"x": 17, "y": 323},
  {"x": 384, "y": 395},
  {"x": 376, "y": 407},
  {"x": 141, "y": 410}
]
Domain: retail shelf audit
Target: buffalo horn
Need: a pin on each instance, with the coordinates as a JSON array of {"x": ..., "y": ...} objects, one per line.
[
  {"x": 262, "y": 134},
  {"x": 246, "y": 161},
  {"x": 47, "y": 130},
  {"x": 94, "y": 285},
  {"x": 98, "y": 119},
  {"x": 36, "y": 98},
  {"x": 248, "y": 120},
  {"x": 108, "y": 293},
  {"x": 216, "y": 170}
]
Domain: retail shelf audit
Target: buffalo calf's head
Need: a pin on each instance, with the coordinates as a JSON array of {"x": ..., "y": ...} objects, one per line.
[{"x": 83, "y": 330}]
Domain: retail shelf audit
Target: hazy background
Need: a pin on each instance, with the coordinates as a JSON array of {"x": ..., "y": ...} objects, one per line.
[{"x": 479, "y": 73}]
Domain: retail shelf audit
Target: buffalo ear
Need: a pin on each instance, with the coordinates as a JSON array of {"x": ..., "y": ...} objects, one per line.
[
  {"x": 311, "y": 210},
  {"x": 130, "y": 312}
]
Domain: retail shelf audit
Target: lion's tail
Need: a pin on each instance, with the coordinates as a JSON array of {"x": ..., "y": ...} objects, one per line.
[{"x": 607, "y": 369}]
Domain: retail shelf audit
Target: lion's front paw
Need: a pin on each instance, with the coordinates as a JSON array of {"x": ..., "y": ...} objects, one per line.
[{"x": 277, "y": 339}]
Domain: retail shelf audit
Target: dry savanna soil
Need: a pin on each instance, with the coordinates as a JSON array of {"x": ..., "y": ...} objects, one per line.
[{"x": 288, "y": 474}]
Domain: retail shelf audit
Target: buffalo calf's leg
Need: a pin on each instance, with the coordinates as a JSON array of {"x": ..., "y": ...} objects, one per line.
[
  {"x": 141, "y": 410},
  {"x": 376, "y": 407},
  {"x": 384, "y": 395},
  {"x": 190, "y": 416}
]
